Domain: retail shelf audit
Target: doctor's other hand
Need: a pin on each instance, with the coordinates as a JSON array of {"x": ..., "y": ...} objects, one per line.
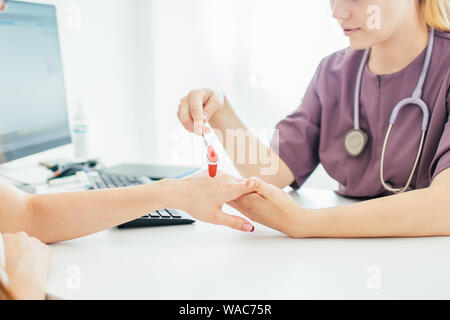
[
  {"x": 203, "y": 198},
  {"x": 274, "y": 208},
  {"x": 27, "y": 266},
  {"x": 198, "y": 107}
]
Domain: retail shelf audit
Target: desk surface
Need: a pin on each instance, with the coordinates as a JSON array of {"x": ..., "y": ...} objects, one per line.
[{"x": 202, "y": 261}]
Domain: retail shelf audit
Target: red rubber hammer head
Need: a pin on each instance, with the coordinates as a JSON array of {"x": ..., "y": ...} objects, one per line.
[{"x": 213, "y": 161}]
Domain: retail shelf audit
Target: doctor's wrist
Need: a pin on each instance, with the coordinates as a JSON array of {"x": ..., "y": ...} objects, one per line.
[{"x": 301, "y": 224}]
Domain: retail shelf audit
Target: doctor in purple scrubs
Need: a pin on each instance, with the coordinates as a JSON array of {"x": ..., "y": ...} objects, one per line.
[{"x": 376, "y": 116}]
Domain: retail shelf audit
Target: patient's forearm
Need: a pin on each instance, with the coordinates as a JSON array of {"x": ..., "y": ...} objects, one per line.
[
  {"x": 59, "y": 217},
  {"x": 414, "y": 214}
]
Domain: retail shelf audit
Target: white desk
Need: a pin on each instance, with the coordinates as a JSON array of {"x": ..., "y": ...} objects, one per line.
[{"x": 202, "y": 261}]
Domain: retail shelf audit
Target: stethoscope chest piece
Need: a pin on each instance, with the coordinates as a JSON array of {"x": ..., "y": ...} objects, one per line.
[{"x": 355, "y": 142}]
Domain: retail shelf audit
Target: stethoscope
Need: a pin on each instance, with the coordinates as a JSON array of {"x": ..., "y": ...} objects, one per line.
[{"x": 356, "y": 140}]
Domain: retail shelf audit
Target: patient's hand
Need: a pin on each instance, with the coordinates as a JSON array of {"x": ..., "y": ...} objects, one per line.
[
  {"x": 203, "y": 197},
  {"x": 27, "y": 266},
  {"x": 272, "y": 207}
]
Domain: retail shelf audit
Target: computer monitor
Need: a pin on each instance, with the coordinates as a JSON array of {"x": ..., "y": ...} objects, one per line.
[{"x": 33, "y": 110}]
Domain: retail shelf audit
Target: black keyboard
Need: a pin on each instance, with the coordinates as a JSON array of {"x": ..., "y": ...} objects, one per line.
[
  {"x": 100, "y": 180},
  {"x": 165, "y": 217}
]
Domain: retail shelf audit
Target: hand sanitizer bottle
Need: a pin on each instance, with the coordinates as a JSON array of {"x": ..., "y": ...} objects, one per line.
[{"x": 80, "y": 132}]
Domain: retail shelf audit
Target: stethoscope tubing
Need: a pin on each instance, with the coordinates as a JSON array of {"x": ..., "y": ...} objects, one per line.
[{"x": 415, "y": 99}]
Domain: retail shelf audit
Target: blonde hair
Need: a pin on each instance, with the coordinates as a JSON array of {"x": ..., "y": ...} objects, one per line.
[{"x": 436, "y": 13}]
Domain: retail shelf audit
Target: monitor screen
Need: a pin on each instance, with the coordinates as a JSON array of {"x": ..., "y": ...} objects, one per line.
[{"x": 33, "y": 110}]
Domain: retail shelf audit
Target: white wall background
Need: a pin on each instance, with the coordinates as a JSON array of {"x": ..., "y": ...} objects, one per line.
[
  {"x": 131, "y": 61},
  {"x": 105, "y": 45},
  {"x": 262, "y": 53}
]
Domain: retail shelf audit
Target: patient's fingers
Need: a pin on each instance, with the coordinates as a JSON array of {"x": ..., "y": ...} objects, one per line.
[{"x": 234, "y": 222}]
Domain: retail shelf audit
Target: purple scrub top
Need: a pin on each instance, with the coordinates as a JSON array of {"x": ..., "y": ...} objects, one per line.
[{"x": 315, "y": 132}]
